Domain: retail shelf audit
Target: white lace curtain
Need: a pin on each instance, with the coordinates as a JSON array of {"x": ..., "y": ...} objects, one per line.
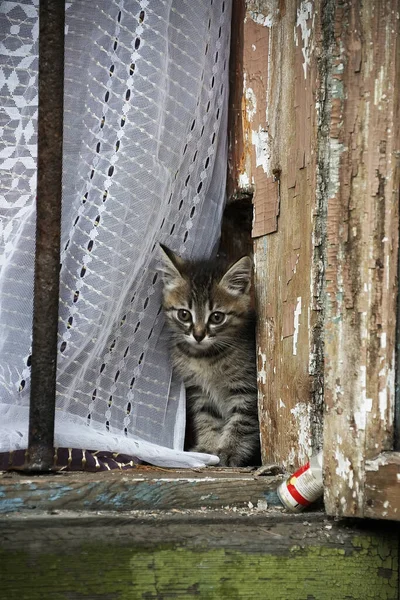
[{"x": 146, "y": 87}]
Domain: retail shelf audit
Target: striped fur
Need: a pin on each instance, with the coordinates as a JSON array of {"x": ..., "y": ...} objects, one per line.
[{"x": 207, "y": 308}]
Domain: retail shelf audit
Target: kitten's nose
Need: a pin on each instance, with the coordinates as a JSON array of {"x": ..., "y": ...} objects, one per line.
[{"x": 199, "y": 335}]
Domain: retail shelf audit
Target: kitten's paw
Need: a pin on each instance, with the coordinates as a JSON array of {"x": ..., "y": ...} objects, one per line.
[{"x": 228, "y": 459}]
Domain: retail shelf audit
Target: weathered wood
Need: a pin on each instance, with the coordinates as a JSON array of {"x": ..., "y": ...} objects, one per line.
[
  {"x": 276, "y": 158},
  {"x": 137, "y": 490},
  {"x": 211, "y": 556},
  {"x": 382, "y": 486},
  {"x": 362, "y": 252}
]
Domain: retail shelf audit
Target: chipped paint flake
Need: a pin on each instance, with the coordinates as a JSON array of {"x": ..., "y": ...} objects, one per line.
[
  {"x": 244, "y": 181},
  {"x": 379, "y": 86},
  {"x": 383, "y": 403},
  {"x": 260, "y": 141},
  {"x": 364, "y": 404},
  {"x": 262, "y": 372},
  {"x": 297, "y": 313},
  {"x": 251, "y": 103},
  {"x": 336, "y": 150},
  {"x": 374, "y": 465},
  {"x": 304, "y": 13},
  {"x": 383, "y": 340},
  {"x": 344, "y": 468},
  {"x": 265, "y": 21},
  {"x": 302, "y": 415}
]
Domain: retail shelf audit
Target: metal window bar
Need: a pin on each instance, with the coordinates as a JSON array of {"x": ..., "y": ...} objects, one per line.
[{"x": 48, "y": 225}]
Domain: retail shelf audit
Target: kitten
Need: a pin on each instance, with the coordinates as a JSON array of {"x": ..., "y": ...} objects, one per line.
[{"x": 207, "y": 308}]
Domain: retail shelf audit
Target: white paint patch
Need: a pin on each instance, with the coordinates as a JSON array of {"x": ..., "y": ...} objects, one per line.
[
  {"x": 244, "y": 181},
  {"x": 302, "y": 415},
  {"x": 281, "y": 404},
  {"x": 374, "y": 465},
  {"x": 364, "y": 404},
  {"x": 251, "y": 103},
  {"x": 360, "y": 416},
  {"x": 304, "y": 13},
  {"x": 266, "y": 21},
  {"x": 262, "y": 373},
  {"x": 336, "y": 150},
  {"x": 387, "y": 270},
  {"x": 378, "y": 88},
  {"x": 383, "y": 403},
  {"x": 383, "y": 339},
  {"x": 297, "y": 313},
  {"x": 344, "y": 469},
  {"x": 260, "y": 141}
]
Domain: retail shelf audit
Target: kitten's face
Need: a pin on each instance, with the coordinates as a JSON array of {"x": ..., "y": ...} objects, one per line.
[{"x": 205, "y": 304}]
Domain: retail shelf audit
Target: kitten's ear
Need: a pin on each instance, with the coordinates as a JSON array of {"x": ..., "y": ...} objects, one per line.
[
  {"x": 170, "y": 266},
  {"x": 237, "y": 279}
]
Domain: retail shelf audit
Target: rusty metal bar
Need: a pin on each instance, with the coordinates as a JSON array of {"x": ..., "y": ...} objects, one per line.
[{"x": 48, "y": 223}]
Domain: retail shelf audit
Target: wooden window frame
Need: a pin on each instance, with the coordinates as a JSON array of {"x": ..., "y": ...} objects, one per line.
[
  {"x": 362, "y": 470},
  {"x": 315, "y": 138}
]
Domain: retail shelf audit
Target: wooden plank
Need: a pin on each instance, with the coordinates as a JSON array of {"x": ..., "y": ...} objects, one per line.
[
  {"x": 382, "y": 487},
  {"x": 278, "y": 161},
  {"x": 137, "y": 490},
  {"x": 211, "y": 555},
  {"x": 362, "y": 177}
]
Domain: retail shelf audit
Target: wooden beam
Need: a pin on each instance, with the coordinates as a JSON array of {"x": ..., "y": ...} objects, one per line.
[
  {"x": 191, "y": 555},
  {"x": 362, "y": 182},
  {"x": 382, "y": 487},
  {"x": 139, "y": 489},
  {"x": 276, "y": 158}
]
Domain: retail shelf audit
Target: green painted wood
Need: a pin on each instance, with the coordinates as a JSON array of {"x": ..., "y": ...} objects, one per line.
[
  {"x": 211, "y": 556},
  {"x": 139, "y": 489}
]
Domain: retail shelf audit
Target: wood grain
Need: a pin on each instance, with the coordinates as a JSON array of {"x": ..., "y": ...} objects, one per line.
[
  {"x": 382, "y": 487},
  {"x": 278, "y": 141},
  {"x": 362, "y": 251},
  {"x": 137, "y": 490},
  {"x": 212, "y": 556}
]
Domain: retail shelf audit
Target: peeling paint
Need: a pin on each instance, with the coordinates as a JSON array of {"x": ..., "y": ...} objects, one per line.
[
  {"x": 262, "y": 372},
  {"x": 260, "y": 141},
  {"x": 302, "y": 415},
  {"x": 244, "y": 182},
  {"x": 374, "y": 465},
  {"x": 365, "y": 404},
  {"x": 379, "y": 86},
  {"x": 266, "y": 21},
  {"x": 304, "y": 13},
  {"x": 344, "y": 469},
  {"x": 336, "y": 150},
  {"x": 383, "y": 403},
  {"x": 297, "y": 313},
  {"x": 251, "y": 102}
]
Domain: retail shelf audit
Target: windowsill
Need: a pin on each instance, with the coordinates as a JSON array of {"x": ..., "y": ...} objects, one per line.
[{"x": 142, "y": 488}]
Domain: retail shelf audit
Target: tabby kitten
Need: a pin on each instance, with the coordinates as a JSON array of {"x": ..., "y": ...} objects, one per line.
[{"x": 207, "y": 308}]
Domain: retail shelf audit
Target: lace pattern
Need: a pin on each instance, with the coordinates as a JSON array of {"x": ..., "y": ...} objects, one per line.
[{"x": 146, "y": 86}]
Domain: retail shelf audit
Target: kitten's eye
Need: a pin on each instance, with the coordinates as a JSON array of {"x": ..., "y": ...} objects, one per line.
[
  {"x": 184, "y": 315},
  {"x": 216, "y": 318}
]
